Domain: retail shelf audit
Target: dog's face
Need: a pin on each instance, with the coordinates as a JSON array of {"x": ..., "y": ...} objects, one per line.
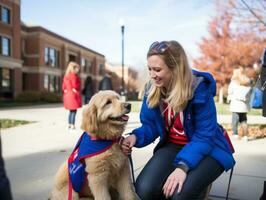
[{"x": 105, "y": 115}]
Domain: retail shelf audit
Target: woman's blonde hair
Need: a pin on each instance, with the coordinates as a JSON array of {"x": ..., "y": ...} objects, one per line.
[
  {"x": 240, "y": 76},
  {"x": 180, "y": 90},
  {"x": 71, "y": 67}
]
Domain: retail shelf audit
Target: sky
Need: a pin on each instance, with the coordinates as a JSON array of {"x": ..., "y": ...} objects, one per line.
[{"x": 95, "y": 24}]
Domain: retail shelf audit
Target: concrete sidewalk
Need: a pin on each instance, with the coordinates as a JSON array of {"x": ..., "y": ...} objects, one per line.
[{"x": 34, "y": 152}]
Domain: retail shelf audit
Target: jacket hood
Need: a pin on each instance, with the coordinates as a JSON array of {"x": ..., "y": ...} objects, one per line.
[{"x": 207, "y": 78}]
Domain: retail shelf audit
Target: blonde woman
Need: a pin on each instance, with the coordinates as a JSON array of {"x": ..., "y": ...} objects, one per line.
[
  {"x": 71, "y": 92},
  {"x": 178, "y": 107},
  {"x": 239, "y": 93}
]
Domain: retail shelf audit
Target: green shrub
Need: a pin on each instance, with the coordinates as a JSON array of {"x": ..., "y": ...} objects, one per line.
[
  {"x": 37, "y": 96},
  {"x": 8, "y": 123},
  {"x": 50, "y": 97},
  {"x": 29, "y": 97}
]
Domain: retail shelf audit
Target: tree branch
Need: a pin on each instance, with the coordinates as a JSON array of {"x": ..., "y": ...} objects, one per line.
[{"x": 253, "y": 13}]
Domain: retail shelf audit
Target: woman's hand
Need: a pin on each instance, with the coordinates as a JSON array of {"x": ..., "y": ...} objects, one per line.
[
  {"x": 175, "y": 179},
  {"x": 128, "y": 143}
]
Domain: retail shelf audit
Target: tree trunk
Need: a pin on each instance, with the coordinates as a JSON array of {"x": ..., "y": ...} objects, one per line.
[{"x": 221, "y": 95}]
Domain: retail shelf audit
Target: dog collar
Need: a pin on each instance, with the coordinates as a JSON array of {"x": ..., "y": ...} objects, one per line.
[{"x": 117, "y": 140}]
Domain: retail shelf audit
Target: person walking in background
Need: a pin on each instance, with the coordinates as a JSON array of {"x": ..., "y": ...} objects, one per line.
[
  {"x": 71, "y": 92},
  {"x": 178, "y": 106},
  {"x": 263, "y": 81},
  {"x": 88, "y": 90},
  {"x": 5, "y": 191},
  {"x": 106, "y": 83},
  {"x": 239, "y": 92}
]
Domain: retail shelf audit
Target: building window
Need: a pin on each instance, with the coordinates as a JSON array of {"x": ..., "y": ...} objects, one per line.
[
  {"x": 101, "y": 69},
  {"x": 51, "y": 83},
  {"x": 72, "y": 57},
  {"x": 51, "y": 57},
  {"x": 83, "y": 63},
  {"x": 54, "y": 84},
  {"x": 5, "y": 46},
  {"x": 5, "y": 78},
  {"x": 5, "y": 15},
  {"x": 86, "y": 65},
  {"x": 46, "y": 82}
]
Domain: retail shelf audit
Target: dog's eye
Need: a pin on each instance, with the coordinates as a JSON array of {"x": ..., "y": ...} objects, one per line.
[{"x": 108, "y": 102}]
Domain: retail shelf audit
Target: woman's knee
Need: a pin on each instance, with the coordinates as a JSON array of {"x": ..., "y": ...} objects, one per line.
[
  {"x": 148, "y": 190},
  {"x": 190, "y": 193},
  {"x": 143, "y": 189}
]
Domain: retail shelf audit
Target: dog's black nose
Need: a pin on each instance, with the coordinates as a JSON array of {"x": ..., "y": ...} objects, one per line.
[{"x": 128, "y": 106}]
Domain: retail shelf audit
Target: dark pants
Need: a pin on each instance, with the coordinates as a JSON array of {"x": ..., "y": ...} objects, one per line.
[
  {"x": 263, "y": 196},
  {"x": 72, "y": 116},
  {"x": 86, "y": 100},
  {"x": 5, "y": 191},
  {"x": 238, "y": 118},
  {"x": 150, "y": 182}
]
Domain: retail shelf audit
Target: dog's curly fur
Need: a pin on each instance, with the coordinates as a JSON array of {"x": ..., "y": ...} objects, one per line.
[{"x": 102, "y": 118}]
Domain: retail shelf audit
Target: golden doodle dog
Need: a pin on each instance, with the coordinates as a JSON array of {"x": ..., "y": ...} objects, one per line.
[{"x": 98, "y": 157}]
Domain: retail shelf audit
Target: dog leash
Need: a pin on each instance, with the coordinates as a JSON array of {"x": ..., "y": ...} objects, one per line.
[
  {"x": 228, "y": 187},
  {"x": 120, "y": 140},
  {"x": 132, "y": 168}
]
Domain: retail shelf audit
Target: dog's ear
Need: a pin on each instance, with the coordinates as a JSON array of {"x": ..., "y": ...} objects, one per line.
[{"x": 89, "y": 119}]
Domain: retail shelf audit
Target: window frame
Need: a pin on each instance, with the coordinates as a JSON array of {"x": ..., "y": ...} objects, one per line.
[
  {"x": 55, "y": 63},
  {"x": 101, "y": 69},
  {"x": 2, "y": 46},
  {"x": 9, "y": 88},
  {"x": 86, "y": 65},
  {"x": 2, "y": 8},
  {"x": 51, "y": 83}
]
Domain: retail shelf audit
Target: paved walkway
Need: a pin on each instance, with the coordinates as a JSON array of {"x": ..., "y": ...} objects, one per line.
[{"x": 33, "y": 153}]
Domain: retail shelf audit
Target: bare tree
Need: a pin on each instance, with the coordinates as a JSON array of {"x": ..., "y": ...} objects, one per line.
[{"x": 249, "y": 13}]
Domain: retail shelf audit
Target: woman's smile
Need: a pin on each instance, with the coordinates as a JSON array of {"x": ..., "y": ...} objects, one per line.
[{"x": 159, "y": 71}]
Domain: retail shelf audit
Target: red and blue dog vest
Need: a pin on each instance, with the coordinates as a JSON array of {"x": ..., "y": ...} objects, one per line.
[{"x": 85, "y": 147}]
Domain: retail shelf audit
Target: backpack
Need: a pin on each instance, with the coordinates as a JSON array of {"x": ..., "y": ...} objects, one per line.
[
  {"x": 256, "y": 100},
  {"x": 227, "y": 138}
]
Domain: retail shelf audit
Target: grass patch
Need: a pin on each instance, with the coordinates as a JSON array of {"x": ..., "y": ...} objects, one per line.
[
  {"x": 8, "y": 123},
  {"x": 135, "y": 106},
  {"x": 223, "y": 109}
]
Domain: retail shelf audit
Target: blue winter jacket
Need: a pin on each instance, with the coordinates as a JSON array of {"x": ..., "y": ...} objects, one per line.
[{"x": 200, "y": 125}]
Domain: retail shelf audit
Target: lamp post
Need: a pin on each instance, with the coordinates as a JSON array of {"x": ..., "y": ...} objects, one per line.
[{"x": 122, "y": 79}]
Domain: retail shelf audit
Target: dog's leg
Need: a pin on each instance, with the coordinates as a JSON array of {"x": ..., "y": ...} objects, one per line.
[
  {"x": 62, "y": 194},
  {"x": 125, "y": 186},
  {"x": 60, "y": 189},
  {"x": 99, "y": 186}
]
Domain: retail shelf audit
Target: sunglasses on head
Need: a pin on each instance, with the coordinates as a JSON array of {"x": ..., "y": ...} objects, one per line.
[{"x": 159, "y": 47}]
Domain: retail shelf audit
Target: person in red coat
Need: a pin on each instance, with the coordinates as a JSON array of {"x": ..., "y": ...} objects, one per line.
[{"x": 71, "y": 92}]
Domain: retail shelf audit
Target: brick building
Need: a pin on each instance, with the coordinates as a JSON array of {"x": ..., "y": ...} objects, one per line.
[
  {"x": 34, "y": 58},
  {"x": 46, "y": 54},
  {"x": 131, "y": 81},
  {"x": 10, "y": 50}
]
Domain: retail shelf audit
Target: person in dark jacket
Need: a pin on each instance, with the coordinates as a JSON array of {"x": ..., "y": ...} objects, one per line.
[
  {"x": 263, "y": 81},
  {"x": 5, "y": 191},
  {"x": 178, "y": 107},
  {"x": 106, "y": 83},
  {"x": 88, "y": 90}
]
